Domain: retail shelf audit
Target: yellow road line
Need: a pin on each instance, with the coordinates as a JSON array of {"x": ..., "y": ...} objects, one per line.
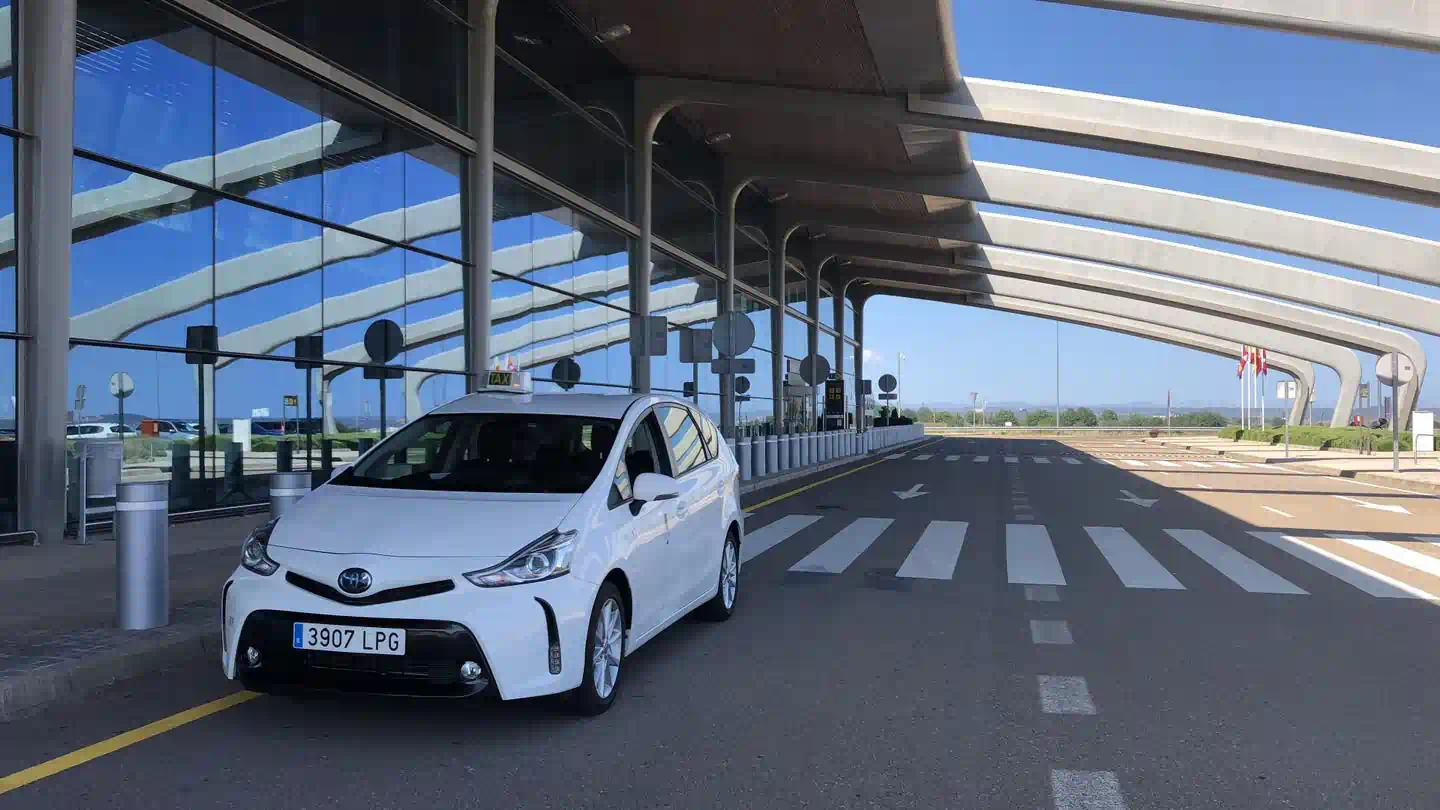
[
  {"x": 65, "y": 762},
  {"x": 763, "y": 504}
]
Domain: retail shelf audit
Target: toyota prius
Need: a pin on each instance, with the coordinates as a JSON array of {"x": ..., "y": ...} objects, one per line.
[{"x": 507, "y": 544}]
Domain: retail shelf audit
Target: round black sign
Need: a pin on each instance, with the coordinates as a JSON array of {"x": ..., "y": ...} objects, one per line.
[
  {"x": 815, "y": 369},
  {"x": 383, "y": 340},
  {"x": 565, "y": 373},
  {"x": 888, "y": 382},
  {"x": 742, "y": 384}
]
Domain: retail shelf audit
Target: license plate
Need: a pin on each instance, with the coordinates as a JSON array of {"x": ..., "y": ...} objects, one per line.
[{"x": 343, "y": 638}]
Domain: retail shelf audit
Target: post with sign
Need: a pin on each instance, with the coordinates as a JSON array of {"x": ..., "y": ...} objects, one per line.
[
  {"x": 383, "y": 340},
  {"x": 887, "y": 385},
  {"x": 309, "y": 351},
  {"x": 1285, "y": 391},
  {"x": 202, "y": 342},
  {"x": 1395, "y": 370},
  {"x": 732, "y": 335},
  {"x": 121, "y": 386}
]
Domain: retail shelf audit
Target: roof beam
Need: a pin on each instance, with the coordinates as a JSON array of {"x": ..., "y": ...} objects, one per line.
[
  {"x": 1385, "y": 252},
  {"x": 1385, "y": 168},
  {"x": 1308, "y": 287},
  {"x": 1401, "y": 23},
  {"x": 1096, "y": 277}
]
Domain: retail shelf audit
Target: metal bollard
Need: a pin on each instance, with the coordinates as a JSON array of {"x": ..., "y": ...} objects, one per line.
[
  {"x": 783, "y": 452},
  {"x": 811, "y": 445},
  {"x": 757, "y": 466},
  {"x": 742, "y": 453},
  {"x": 772, "y": 454},
  {"x": 142, "y": 555},
  {"x": 285, "y": 489},
  {"x": 284, "y": 456},
  {"x": 794, "y": 441}
]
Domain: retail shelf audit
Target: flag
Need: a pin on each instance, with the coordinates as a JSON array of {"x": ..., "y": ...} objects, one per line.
[
  {"x": 1244, "y": 361},
  {"x": 1264, "y": 362}
]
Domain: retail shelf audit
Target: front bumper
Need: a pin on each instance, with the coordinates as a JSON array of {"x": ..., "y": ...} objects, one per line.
[{"x": 508, "y": 631}]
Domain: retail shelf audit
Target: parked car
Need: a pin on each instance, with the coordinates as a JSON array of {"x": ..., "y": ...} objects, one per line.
[
  {"x": 167, "y": 429},
  {"x": 99, "y": 430},
  {"x": 500, "y": 545}
]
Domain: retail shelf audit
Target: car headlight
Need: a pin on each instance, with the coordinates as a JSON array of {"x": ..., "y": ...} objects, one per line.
[
  {"x": 254, "y": 555},
  {"x": 546, "y": 558}
]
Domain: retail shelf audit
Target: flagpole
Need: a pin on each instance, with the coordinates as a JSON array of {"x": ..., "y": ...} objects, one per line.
[{"x": 1241, "y": 375}]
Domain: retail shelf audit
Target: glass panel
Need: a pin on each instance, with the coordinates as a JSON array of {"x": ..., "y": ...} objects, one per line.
[
  {"x": 145, "y": 100},
  {"x": 269, "y": 136},
  {"x": 849, "y": 318},
  {"x": 432, "y": 199},
  {"x": 686, "y": 297},
  {"x": 141, "y": 276},
  {"x": 435, "y": 390},
  {"x": 414, "y": 50},
  {"x": 752, "y": 259},
  {"x": 680, "y": 218},
  {"x": 364, "y": 189},
  {"x": 434, "y": 316},
  {"x": 355, "y": 405},
  {"x": 827, "y": 306},
  {"x": 9, "y": 440},
  {"x": 364, "y": 282},
  {"x": 538, "y": 130},
  {"x": 548, "y": 42},
  {"x": 7, "y": 247},
  {"x": 796, "y": 295},
  {"x": 268, "y": 279},
  {"x": 7, "y": 81}
]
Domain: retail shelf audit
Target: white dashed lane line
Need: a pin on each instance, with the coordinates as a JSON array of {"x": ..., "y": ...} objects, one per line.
[{"x": 1065, "y": 694}]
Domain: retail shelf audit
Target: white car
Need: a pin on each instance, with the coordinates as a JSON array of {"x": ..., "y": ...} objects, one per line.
[
  {"x": 504, "y": 544},
  {"x": 98, "y": 430}
]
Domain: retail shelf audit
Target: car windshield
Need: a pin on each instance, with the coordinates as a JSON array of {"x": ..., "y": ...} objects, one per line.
[{"x": 489, "y": 452}]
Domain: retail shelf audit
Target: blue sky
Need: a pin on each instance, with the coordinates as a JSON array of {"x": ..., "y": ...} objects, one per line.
[{"x": 1367, "y": 89}]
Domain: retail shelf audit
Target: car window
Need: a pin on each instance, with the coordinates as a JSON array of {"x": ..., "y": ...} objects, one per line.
[
  {"x": 89, "y": 429},
  {"x": 489, "y": 452},
  {"x": 72, "y": 431},
  {"x": 644, "y": 452},
  {"x": 683, "y": 436},
  {"x": 709, "y": 435}
]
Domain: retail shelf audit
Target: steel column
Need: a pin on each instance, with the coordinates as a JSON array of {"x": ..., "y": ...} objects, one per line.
[{"x": 480, "y": 212}]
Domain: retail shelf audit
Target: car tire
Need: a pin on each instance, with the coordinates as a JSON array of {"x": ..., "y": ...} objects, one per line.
[
  {"x": 722, "y": 606},
  {"x": 604, "y": 652}
]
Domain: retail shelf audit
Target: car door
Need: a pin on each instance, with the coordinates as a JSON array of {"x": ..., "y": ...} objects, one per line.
[
  {"x": 697, "y": 534},
  {"x": 642, "y": 530}
]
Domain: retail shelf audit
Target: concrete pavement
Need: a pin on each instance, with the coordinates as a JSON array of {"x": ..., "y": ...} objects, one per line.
[{"x": 1081, "y": 631}]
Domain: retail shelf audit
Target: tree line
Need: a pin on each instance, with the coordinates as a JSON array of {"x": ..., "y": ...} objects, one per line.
[{"x": 1070, "y": 417}]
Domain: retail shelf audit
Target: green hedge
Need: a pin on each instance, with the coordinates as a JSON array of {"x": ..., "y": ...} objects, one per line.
[{"x": 1348, "y": 438}]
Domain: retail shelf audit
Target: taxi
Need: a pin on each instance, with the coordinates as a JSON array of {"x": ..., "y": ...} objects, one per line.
[{"x": 508, "y": 544}]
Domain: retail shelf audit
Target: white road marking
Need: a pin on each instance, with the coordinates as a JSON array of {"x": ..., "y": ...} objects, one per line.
[
  {"x": 928, "y": 456},
  {"x": 1030, "y": 557},
  {"x": 1086, "y": 790},
  {"x": 836, "y": 554},
  {"x": 1042, "y": 593},
  {"x": 981, "y": 459},
  {"x": 762, "y": 540},
  {"x": 1238, "y": 568},
  {"x": 1137, "y": 500},
  {"x": 1198, "y": 464},
  {"x": 912, "y": 492},
  {"x": 1377, "y": 486},
  {"x": 1232, "y": 465},
  {"x": 1163, "y": 463},
  {"x": 952, "y": 458},
  {"x": 1371, "y": 582},
  {"x": 894, "y": 456},
  {"x": 1160, "y": 472},
  {"x": 1385, "y": 507},
  {"x": 1259, "y": 466},
  {"x": 1133, "y": 462},
  {"x": 1277, "y": 511},
  {"x": 1406, "y": 557},
  {"x": 1071, "y": 460},
  {"x": 936, "y": 552},
  {"x": 1012, "y": 460},
  {"x": 1130, "y": 561},
  {"x": 1065, "y": 694},
  {"x": 1203, "y": 486},
  {"x": 1042, "y": 459},
  {"x": 1050, "y": 631}
]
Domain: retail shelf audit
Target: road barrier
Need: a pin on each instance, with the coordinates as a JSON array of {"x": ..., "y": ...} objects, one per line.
[{"x": 142, "y": 555}]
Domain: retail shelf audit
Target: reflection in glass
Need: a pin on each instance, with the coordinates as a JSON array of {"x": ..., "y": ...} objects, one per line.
[
  {"x": 686, "y": 297},
  {"x": 140, "y": 277},
  {"x": 268, "y": 279},
  {"x": 7, "y": 248},
  {"x": 148, "y": 101},
  {"x": 7, "y": 81},
  {"x": 752, "y": 258},
  {"x": 364, "y": 188},
  {"x": 364, "y": 282}
]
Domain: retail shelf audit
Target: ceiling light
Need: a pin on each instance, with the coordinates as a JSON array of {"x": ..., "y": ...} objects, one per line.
[
  {"x": 717, "y": 137},
  {"x": 613, "y": 33},
  {"x": 526, "y": 39}
]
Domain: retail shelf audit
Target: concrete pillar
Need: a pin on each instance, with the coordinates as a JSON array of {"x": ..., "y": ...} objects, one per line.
[
  {"x": 646, "y": 119},
  {"x": 812, "y": 306},
  {"x": 859, "y": 364},
  {"x": 44, "y": 174},
  {"x": 725, "y": 301},
  {"x": 480, "y": 179},
  {"x": 779, "y": 239}
]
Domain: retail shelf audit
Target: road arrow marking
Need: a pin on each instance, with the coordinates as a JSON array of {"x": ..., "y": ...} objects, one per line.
[
  {"x": 912, "y": 492},
  {"x": 1399, "y": 510},
  {"x": 1131, "y": 497}
]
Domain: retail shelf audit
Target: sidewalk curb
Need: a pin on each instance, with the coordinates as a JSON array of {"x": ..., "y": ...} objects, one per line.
[
  {"x": 71, "y": 679},
  {"x": 1367, "y": 476}
]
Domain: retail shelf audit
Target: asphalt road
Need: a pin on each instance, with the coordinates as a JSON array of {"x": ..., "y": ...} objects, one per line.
[{"x": 1183, "y": 662}]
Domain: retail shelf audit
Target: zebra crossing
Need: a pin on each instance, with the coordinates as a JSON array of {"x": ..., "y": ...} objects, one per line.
[
  {"x": 1031, "y": 558},
  {"x": 1131, "y": 463}
]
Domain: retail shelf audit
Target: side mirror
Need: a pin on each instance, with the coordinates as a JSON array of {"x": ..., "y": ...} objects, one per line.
[{"x": 655, "y": 487}]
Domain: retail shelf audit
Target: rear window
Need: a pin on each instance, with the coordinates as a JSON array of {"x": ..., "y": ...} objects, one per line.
[{"x": 489, "y": 452}]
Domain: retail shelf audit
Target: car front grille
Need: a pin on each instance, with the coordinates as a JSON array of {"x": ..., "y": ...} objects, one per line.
[{"x": 377, "y": 598}]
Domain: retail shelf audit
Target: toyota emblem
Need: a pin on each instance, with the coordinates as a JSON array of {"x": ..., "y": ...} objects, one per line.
[{"x": 355, "y": 580}]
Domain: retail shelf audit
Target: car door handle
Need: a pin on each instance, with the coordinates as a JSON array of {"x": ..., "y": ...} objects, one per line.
[{"x": 682, "y": 509}]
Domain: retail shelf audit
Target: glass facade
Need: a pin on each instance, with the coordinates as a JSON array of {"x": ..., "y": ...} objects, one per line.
[{"x": 218, "y": 190}]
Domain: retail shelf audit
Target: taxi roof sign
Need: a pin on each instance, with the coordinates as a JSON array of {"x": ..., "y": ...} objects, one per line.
[{"x": 510, "y": 382}]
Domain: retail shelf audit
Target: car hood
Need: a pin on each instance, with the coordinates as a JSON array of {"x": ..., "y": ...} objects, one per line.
[{"x": 360, "y": 520}]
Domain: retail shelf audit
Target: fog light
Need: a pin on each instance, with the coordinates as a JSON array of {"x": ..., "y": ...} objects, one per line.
[
  {"x": 470, "y": 672},
  {"x": 252, "y": 657}
]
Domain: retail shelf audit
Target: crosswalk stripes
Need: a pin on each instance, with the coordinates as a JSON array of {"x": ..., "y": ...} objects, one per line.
[
  {"x": 925, "y": 457},
  {"x": 1163, "y": 463},
  {"x": 1130, "y": 561},
  {"x": 1238, "y": 568},
  {"x": 1133, "y": 462},
  {"x": 981, "y": 459},
  {"x": 952, "y": 458},
  {"x": 1200, "y": 464},
  {"x": 1072, "y": 460},
  {"x": 1367, "y": 580},
  {"x": 936, "y": 552},
  {"x": 1232, "y": 465},
  {"x": 835, "y": 555},
  {"x": 1042, "y": 459},
  {"x": 762, "y": 540},
  {"x": 1030, "y": 556}
]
